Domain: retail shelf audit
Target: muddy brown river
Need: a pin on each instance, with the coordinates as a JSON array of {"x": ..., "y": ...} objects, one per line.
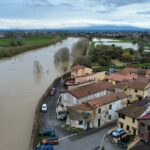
[{"x": 20, "y": 89}]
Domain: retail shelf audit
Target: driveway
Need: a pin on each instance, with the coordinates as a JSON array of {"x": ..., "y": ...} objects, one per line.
[{"x": 71, "y": 140}]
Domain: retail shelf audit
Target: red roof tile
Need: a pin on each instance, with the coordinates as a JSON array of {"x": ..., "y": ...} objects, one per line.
[
  {"x": 106, "y": 99},
  {"x": 148, "y": 72},
  {"x": 78, "y": 67},
  {"x": 139, "y": 83},
  {"x": 129, "y": 70},
  {"x": 145, "y": 117},
  {"x": 81, "y": 107},
  {"x": 121, "y": 77},
  {"x": 90, "y": 89}
]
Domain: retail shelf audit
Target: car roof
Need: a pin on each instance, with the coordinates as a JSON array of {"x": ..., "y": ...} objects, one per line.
[
  {"x": 119, "y": 129},
  {"x": 44, "y": 104},
  {"x": 47, "y": 130}
]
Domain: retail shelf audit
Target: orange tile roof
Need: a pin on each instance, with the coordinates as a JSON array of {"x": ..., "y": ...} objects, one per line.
[
  {"x": 140, "y": 83},
  {"x": 120, "y": 77},
  {"x": 106, "y": 99},
  {"x": 128, "y": 70},
  {"x": 90, "y": 89},
  {"x": 78, "y": 67},
  {"x": 81, "y": 107},
  {"x": 148, "y": 72},
  {"x": 132, "y": 111},
  {"x": 122, "y": 84}
]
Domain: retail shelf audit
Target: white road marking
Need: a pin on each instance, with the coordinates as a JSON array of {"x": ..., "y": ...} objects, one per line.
[{"x": 66, "y": 137}]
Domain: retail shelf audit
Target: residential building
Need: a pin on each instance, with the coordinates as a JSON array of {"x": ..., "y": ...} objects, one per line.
[
  {"x": 115, "y": 78},
  {"x": 84, "y": 93},
  {"x": 80, "y": 116},
  {"x": 147, "y": 74},
  {"x": 128, "y": 116},
  {"x": 96, "y": 112},
  {"x": 80, "y": 70},
  {"x": 144, "y": 127},
  {"x": 130, "y": 70},
  {"x": 137, "y": 89},
  {"x": 72, "y": 83}
]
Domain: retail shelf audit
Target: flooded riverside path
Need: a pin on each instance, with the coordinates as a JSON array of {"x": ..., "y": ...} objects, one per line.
[{"x": 20, "y": 90}]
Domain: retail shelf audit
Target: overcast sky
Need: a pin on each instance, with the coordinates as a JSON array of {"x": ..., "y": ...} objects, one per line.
[{"x": 73, "y": 13}]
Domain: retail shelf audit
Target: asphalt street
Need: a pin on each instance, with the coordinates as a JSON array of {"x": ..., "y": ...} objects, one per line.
[{"x": 71, "y": 140}]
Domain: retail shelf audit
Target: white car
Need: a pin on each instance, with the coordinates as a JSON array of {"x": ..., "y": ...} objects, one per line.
[
  {"x": 118, "y": 132},
  {"x": 44, "y": 108}
]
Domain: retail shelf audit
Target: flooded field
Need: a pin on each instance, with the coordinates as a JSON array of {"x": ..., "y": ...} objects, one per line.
[{"x": 119, "y": 43}]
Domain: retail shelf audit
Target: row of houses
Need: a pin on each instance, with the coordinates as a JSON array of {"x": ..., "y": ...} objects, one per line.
[
  {"x": 93, "y": 100},
  {"x": 135, "y": 119}
]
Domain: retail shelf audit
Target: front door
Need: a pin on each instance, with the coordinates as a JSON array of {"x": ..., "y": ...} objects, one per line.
[
  {"x": 134, "y": 132},
  {"x": 149, "y": 138},
  {"x": 99, "y": 122},
  {"x": 88, "y": 125}
]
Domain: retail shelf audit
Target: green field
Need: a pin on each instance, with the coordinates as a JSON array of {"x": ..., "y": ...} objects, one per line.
[
  {"x": 4, "y": 41},
  {"x": 29, "y": 43},
  {"x": 29, "y": 40}
]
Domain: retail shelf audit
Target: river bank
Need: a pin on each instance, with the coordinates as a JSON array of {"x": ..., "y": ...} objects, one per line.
[{"x": 30, "y": 44}]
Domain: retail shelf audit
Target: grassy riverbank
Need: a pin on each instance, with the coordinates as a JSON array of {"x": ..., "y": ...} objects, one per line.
[{"x": 29, "y": 43}]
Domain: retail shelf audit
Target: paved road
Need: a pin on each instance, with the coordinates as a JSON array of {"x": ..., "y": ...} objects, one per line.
[
  {"x": 71, "y": 140},
  {"x": 141, "y": 146}
]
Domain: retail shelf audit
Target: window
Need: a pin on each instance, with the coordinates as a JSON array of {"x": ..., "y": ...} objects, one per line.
[
  {"x": 121, "y": 124},
  {"x": 148, "y": 128},
  {"x": 109, "y": 117},
  {"x": 121, "y": 116},
  {"x": 125, "y": 89},
  {"x": 129, "y": 102},
  {"x": 110, "y": 107},
  {"x": 128, "y": 127},
  {"x": 135, "y": 91},
  {"x": 99, "y": 110},
  {"x": 133, "y": 120},
  {"x": 80, "y": 122},
  {"x": 142, "y": 125}
]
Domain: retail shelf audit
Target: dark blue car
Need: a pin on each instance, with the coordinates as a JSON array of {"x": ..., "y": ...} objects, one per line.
[{"x": 45, "y": 147}]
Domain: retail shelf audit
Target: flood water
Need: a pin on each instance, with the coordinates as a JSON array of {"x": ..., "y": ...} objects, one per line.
[
  {"x": 20, "y": 90},
  {"x": 124, "y": 45}
]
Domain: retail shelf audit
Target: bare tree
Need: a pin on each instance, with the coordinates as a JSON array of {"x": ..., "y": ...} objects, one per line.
[
  {"x": 62, "y": 55},
  {"x": 80, "y": 48},
  {"x": 37, "y": 67}
]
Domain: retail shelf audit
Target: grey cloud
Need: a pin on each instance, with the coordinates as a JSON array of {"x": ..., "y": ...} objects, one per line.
[
  {"x": 117, "y": 3},
  {"x": 144, "y": 13}
]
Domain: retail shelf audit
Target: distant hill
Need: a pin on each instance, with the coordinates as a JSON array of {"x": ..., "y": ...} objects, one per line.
[
  {"x": 109, "y": 28},
  {"x": 105, "y": 28}
]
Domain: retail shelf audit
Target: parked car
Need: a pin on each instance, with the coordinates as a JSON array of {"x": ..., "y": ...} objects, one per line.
[
  {"x": 49, "y": 136},
  {"x": 62, "y": 115},
  {"x": 53, "y": 91},
  {"x": 118, "y": 132},
  {"x": 44, "y": 108},
  {"x": 47, "y": 132},
  {"x": 45, "y": 147}
]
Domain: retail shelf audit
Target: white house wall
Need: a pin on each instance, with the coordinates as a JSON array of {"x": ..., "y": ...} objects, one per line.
[
  {"x": 104, "y": 116},
  {"x": 68, "y": 99}
]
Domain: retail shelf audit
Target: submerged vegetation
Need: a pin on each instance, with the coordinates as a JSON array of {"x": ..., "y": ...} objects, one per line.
[{"x": 80, "y": 52}]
